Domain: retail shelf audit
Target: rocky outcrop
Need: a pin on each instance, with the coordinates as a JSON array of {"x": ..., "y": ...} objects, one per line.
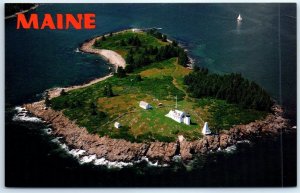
[
  {"x": 122, "y": 150},
  {"x": 161, "y": 151}
]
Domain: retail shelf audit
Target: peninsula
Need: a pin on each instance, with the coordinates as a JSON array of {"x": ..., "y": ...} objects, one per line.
[{"x": 155, "y": 105}]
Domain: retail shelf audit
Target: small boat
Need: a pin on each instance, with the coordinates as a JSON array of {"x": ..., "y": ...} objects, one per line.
[{"x": 239, "y": 18}]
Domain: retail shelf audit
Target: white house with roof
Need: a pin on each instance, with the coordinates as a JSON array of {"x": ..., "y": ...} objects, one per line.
[
  {"x": 145, "y": 105},
  {"x": 179, "y": 116},
  {"x": 206, "y": 130},
  {"x": 117, "y": 125}
]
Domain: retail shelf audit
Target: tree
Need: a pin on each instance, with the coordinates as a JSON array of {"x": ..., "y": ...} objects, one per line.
[
  {"x": 110, "y": 34},
  {"x": 63, "y": 92},
  {"x": 97, "y": 43},
  {"x": 233, "y": 88},
  {"x": 138, "y": 78},
  {"x": 129, "y": 68},
  {"x": 120, "y": 72},
  {"x": 129, "y": 59},
  {"x": 107, "y": 91},
  {"x": 47, "y": 100},
  {"x": 123, "y": 43},
  {"x": 182, "y": 58},
  {"x": 174, "y": 43},
  {"x": 103, "y": 38},
  {"x": 164, "y": 38},
  {"x": 196, "y": 68},
  {"x": 93, "y": 108}
]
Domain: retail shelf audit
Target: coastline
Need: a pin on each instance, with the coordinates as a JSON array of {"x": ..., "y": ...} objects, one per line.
[
  {"x": 125, "y": 151},
  {"x": 24, "y": 11},
  {"x": 110, "y": 56},
  {"x": 120, "y": 150}
]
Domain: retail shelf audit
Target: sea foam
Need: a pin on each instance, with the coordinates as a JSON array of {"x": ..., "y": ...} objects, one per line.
[
  {"x": 22, "y": 115},
  {"x": 84, "y": 158}
]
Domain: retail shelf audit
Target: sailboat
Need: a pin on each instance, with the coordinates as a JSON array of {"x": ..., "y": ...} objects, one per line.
[{"x": 239, "y": 18}]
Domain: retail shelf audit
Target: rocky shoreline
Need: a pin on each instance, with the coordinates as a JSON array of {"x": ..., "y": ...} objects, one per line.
[{"x": 121, "y": 150}]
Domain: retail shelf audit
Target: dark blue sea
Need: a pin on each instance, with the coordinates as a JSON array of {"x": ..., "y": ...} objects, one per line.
[{"x": 262, "y": 48}]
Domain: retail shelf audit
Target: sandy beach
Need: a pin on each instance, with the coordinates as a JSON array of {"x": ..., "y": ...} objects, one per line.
[{"x": 110, "y": 56}]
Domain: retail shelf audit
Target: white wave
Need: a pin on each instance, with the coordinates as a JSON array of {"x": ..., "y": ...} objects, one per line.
[
  {"x": 88, "y": 158},
  {"x": 109, "y": 164},
  {"x": 176, "y": 158},
  {"x": 77, "y": 50},
  {"x": 20, "y": 109},
  {"x": 56, "y": 140},
  {"x": 47, "y": 130},
  {"x": 144, "y": 158},
  {"x": 64, "y": 146},
  {"x": 230, "y": 149},
  {"x": 244, "y": 141},
  {"x": 77, "y": 152},
  {"x": 23, "y": 116}
]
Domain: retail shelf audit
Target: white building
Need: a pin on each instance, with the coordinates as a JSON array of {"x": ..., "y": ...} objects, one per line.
[
  {"x": 206, "y": 130},
  {"x": 117, "y": 125},
  {"x": 179, "y": 116},
  {"x": 145, "y": 105}
]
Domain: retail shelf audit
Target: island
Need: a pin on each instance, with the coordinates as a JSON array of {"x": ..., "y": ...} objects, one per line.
[{"x": 156, "y": 104}]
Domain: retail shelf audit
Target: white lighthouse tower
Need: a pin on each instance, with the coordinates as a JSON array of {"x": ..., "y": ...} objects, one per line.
[
  {"x": 187, "y": 119},
  {"x": 206, "y": 130}
]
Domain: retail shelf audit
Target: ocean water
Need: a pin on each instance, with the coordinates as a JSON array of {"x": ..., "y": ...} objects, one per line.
[{"x": 261, "y": 48}]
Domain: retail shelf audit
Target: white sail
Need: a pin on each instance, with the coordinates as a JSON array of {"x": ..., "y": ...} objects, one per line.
[{"x": 239, "y": 18}]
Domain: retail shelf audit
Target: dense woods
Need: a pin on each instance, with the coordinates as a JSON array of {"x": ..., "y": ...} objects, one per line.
[
  {"x": 232, "y": 87},
  {"x": 141, "y": 55}
]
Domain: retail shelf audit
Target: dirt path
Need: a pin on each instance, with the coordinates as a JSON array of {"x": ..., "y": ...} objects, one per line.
[{"x": 175, "y": 83}]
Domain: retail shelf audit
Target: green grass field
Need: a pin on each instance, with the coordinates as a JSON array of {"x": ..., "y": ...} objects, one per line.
[{"x": 161, "y": 82}]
